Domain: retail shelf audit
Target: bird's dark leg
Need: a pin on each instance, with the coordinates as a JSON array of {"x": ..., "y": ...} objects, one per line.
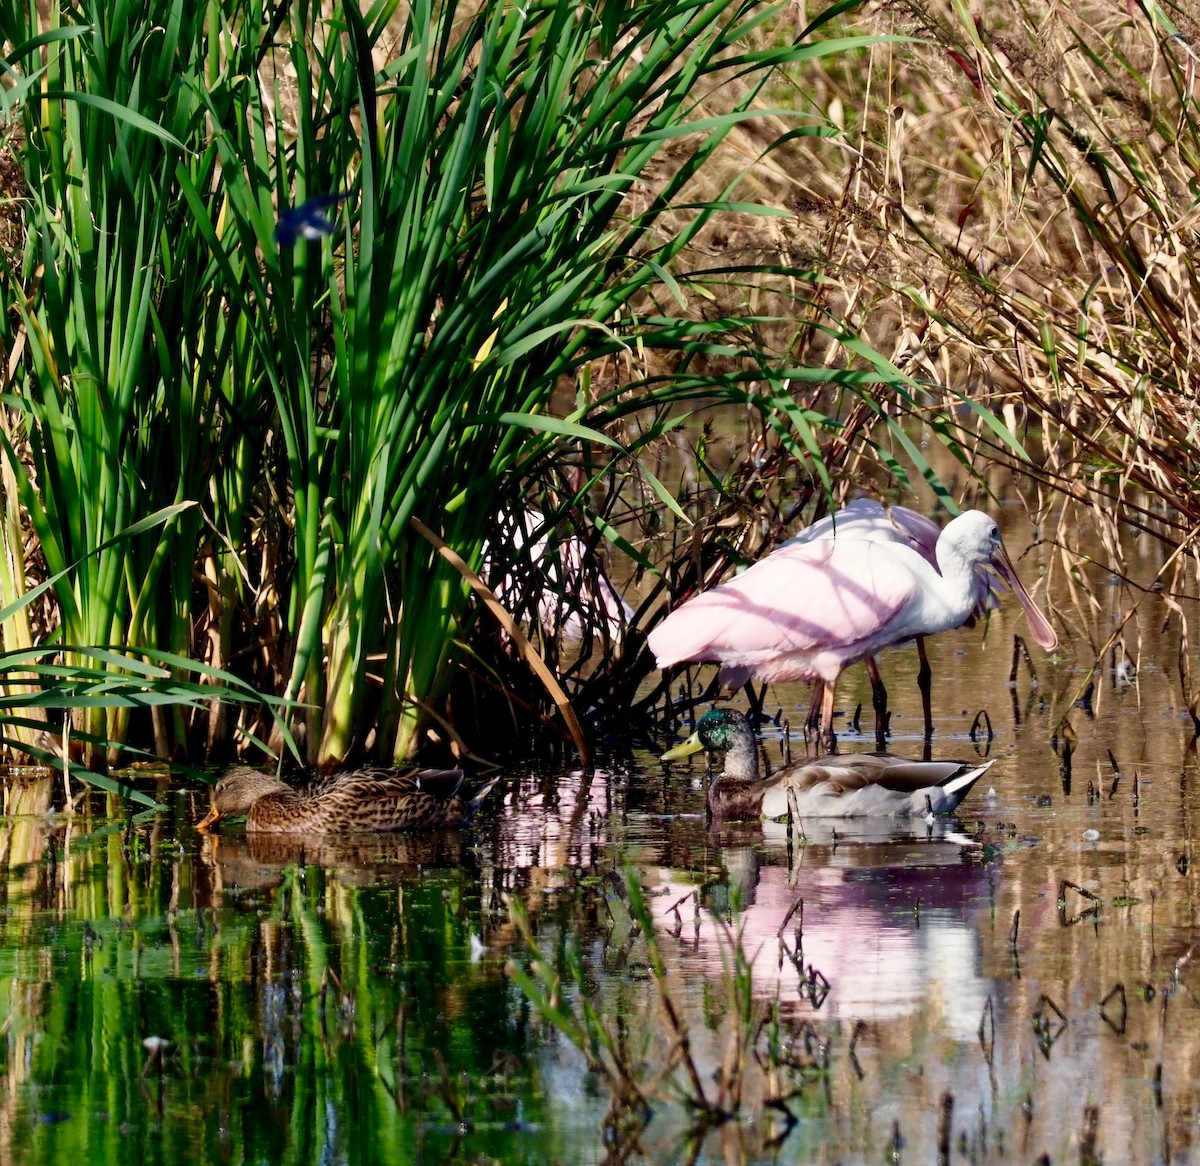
[
  {"x": 756, "y": 699},
  {"x": 828, "y": 740},
  {"x": 924, "y": 683},
  {"x": 879, "y": 701},
  {"x": 812, "y": 726}
]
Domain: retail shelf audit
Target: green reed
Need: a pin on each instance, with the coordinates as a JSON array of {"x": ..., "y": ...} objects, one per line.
[
  {"x": 316, "y": 398},
  {"x": 113, "y": 414}
]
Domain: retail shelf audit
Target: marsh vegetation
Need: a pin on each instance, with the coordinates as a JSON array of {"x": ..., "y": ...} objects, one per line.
[{"x": 670, "y": 280}]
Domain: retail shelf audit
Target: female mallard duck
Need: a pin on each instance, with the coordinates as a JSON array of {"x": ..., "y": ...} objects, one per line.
[
  {"x": 367, "y": 799},
  {"x": 843, "y": 785}
]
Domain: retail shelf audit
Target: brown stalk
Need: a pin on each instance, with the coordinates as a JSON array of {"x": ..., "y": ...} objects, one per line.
[{"x": 527, "y": 651}]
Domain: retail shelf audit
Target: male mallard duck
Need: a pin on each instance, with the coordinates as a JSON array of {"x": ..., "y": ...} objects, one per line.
[
  {"x": 367, "y": 799},
  {"x": 843, "y": 785}
]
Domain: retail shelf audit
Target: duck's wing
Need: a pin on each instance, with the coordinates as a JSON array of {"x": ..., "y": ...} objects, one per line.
[
  {"x": 845, "y": 773},
  {"x": 389, "y": 799},
  {"x": 442, "y": 783},
  {"x": 388, "y": 783}
]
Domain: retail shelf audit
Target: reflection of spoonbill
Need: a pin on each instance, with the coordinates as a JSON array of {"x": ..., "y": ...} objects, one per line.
[
  {"x": 851, "y": 785},
  {"x": 857, "y": 930},
  {"x": 809, "y": 610},
  {"x": 871, "y": 521}
]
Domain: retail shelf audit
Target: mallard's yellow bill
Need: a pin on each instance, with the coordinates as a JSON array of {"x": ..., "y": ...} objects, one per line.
[{"x": 683, "y": 749}]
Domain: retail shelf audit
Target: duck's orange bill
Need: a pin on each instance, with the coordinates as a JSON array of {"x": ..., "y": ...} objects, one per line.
[{"x": 209, "y": 819}]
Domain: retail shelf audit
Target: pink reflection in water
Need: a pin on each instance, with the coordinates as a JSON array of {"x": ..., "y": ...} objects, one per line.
[{"x": 885, "y": 926}]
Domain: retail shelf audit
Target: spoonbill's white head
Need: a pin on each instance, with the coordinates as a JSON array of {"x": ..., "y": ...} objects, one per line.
[{"x": 973, "y": 539}]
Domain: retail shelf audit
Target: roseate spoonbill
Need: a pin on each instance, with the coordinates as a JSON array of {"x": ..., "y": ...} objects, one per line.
[
  {"x": 578, "y": 597},
  {"x": 871, "y": 521},
  {"x": 807, "y": 611},
  {"x": 849, "y": 785}
]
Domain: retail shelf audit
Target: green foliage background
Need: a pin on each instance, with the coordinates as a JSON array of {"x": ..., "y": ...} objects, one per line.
[{"x": 497, "y": 238}]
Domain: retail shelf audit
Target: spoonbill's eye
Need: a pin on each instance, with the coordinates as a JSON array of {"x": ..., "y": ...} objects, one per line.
[{"x": 995, "y": 532}]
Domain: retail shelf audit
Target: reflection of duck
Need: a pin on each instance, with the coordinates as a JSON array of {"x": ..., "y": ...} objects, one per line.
[
  {"x": 346, "y": 803},
  {"x": 848, "y": 785},
  {"x": 258, "y": 861}
]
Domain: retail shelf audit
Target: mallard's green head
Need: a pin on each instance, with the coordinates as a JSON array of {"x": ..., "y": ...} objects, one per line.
[{"x": 717, "y": 731}]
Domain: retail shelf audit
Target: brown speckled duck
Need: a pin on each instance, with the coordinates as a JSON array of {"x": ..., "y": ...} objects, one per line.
[
  {"x": 345, "y": 803},
  {"x": 840, "y": 785}
]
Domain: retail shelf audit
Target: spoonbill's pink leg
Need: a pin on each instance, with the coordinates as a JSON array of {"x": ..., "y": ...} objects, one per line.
[
  {"x": 828, "y": 740},
  {"x": 812, "y": 726},
  {"x": 818, "y": 728}
]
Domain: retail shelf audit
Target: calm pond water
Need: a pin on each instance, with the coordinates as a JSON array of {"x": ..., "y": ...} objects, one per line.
[{"x": 1022, "y": 981}]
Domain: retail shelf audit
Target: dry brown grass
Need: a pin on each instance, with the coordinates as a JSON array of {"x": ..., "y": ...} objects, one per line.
[
  {"x": 1011, "y": 215},
  {"x": 1012, "y": 218}
]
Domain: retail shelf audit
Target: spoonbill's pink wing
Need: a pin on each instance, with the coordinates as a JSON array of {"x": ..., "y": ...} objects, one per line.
[
  {"x": 866, "y": 519},
  {"x": 871, "y": 521},
  {"x": 804, "y": 611}
]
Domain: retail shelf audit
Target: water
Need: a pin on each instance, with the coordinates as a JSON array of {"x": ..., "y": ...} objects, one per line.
[{"x": 1021, "y": 981}]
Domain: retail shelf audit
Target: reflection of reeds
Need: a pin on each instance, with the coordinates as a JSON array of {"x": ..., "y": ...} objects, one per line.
[
  {"x": 602, "y": 1041},
  {"x": 298, "y": 1004},
  {"x": 786, "y": 1059}
]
